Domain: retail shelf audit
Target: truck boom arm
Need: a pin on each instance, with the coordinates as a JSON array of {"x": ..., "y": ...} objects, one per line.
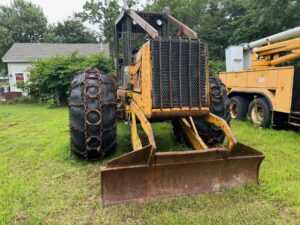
[{"x": 277, "y": 53}]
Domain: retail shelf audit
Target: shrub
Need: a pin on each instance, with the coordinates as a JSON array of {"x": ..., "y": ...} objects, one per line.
[
  {"x": 50, "y": 78},
  {"x": 216, "y": 66}
]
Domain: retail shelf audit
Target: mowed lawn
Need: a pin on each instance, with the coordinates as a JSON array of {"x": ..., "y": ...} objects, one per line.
[{"x": 41, "y": 183}]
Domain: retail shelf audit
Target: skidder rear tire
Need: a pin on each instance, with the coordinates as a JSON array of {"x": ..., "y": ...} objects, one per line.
[
  {"x": 93, "y": 118},
  {"x": 219, "y": 106}
]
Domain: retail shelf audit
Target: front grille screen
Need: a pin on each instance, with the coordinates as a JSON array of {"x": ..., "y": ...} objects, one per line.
[{"x": 179, "y": 72}]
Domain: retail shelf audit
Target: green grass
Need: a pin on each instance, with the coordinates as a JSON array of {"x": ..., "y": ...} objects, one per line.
[{"x": 41, "y": 183}]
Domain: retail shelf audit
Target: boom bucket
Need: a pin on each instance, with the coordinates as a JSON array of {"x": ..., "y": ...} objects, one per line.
[{"x": 129, "y": 177}]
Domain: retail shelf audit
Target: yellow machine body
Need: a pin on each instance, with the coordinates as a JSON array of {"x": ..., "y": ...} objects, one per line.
[
  {"x": 141, "y": 80},
  {"x": 144, "y": 173}
]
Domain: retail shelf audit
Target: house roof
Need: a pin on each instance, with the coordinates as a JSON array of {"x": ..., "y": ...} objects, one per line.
[{"x": 26, "y": 52}]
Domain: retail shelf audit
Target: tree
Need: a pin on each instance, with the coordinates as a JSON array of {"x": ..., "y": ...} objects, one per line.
[
  {"x": 71, "y": 30},
  {"x": 104, "y": 16},
  {"x": 264, "y": 18},
  {"x": 20, "y": 22},
  {"x": 226, "y": 22},
  {"x": 210, "y": 19},
  {"x": 5, "y": 43},
  {"x": 25, "y": 21}
]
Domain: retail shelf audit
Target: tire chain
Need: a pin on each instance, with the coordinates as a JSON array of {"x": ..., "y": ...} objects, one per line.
[
  {"x": 216, "y": 134},
  {"x": 92, "y": 80}
]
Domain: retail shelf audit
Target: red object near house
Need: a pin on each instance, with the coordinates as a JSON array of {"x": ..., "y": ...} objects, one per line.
[{"x": 19, "y": 77}]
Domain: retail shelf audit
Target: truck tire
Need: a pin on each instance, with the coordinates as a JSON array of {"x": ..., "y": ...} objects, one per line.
[
  {"x": 259, "y": 112},
  {"x": 93, "y": 118},
  {"x": 210, "y": 134},
  {"x": 238, "y": 108}
]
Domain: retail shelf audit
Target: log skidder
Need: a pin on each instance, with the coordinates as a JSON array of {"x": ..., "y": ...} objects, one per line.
[{"x": 160, "y": 78}]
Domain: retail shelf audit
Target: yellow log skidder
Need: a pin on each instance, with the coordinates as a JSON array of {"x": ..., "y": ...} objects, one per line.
[{"x": 159, "y": 78}]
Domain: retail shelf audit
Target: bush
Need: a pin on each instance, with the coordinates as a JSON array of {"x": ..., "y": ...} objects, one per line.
[
  {"x": 216, "y": 66},
  {"x": 50, "y": 78}
]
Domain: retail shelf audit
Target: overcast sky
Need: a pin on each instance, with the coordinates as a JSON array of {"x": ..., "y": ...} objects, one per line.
[{"x": 57, "y": 10}]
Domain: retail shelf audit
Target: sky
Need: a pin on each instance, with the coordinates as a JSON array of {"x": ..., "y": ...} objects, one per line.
[{"x": 57, "y": 10}]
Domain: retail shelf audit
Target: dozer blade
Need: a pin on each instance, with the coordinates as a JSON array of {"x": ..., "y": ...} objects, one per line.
[{"x": 129, "y": 177}]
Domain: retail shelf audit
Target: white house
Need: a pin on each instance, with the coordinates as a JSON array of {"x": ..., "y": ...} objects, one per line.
[{"x": 20, "y": 56}]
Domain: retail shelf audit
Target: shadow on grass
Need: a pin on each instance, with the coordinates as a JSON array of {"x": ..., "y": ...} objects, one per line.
[{"x": 163, "y": 134}]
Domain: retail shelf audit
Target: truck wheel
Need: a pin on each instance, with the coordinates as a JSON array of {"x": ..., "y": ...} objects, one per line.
[
  {"x": 259, "y": 112},
  {"x": 93, "y": 118},
  {"x": 238, "y": 108}
]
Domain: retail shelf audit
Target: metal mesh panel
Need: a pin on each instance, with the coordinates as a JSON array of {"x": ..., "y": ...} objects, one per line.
[
  {"x": 194, "y": 74},
  {"x": 178, "y": 72},
  {"x": 151, "y": 18},
  {"x": 133, "y": 37},
  {"x": 175, "y": 72},
  {"x": 165, "y": 78},
  {"x": 185, "y": 88},
  {"x": 202, "y": 69}
]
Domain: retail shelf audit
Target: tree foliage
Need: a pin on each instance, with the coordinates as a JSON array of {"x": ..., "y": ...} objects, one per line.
[
  {"x": 71, "y": 30},
  {"x": 103, "y": 16},
  {"x": 263, "y": 18},
  {"x": 20, "y": 22},
  {"x": 50, "y": 78},
  {"x": 25, "y": 21},
  {"x": 5, "y": 43},
  {"x": 226, "y": 22}
]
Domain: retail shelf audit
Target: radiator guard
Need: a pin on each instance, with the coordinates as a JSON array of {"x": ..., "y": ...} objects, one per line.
[{"x": 179, "y": 72}]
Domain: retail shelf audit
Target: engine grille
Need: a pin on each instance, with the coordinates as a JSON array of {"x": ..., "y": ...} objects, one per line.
[
  {"x": 296, "y": 91},
  {"x": 179, "y": 72}
]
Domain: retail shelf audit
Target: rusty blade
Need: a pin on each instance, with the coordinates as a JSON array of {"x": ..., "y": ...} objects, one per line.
[{"x": 181, "y": 173}]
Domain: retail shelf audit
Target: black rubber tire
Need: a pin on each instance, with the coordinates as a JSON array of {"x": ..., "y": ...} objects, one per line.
[
  {"x": 93, "y": 117},
  {"x": 241, "y": 107},
  {"x": 219, "y": 105},
  {"x": 178, "y": 132},
  {"x": 267, "y": 115}
]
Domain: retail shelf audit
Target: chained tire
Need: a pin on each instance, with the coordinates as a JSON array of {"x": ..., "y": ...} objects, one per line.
[
  {"x": 93, "y": 117},
  {"x": 219, "y": 106}
]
